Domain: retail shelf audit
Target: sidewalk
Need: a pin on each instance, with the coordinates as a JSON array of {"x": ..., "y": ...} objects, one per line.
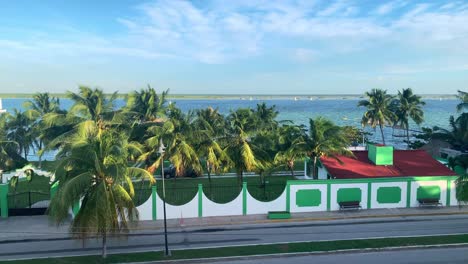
[{"x": 38, "y": 227}]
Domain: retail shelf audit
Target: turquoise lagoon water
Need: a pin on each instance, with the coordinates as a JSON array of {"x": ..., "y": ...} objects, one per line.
[{"x": 341, "y": 111}]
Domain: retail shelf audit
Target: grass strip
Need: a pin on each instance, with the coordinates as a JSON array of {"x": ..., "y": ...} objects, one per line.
[{"x": 299, "y": 247}]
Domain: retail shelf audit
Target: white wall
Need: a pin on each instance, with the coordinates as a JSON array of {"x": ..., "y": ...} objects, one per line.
[
  {"x": 146, "y": 209},
  {"x": 257, "y": 207},
  {"x": 453, "y": 194},
  {"x": 187, "y": 210},
  {"x": 211, "y": 208}
]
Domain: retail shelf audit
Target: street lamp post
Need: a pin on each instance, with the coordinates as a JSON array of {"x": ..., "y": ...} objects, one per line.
[{"x": 161, "y": 151}]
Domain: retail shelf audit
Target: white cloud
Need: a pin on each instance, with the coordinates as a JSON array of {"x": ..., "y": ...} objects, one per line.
[
  {"x": 220, "y": 31},
  {"x": 334, "y": 8},
  {"x": 304, "y": 55},
  {"x": 389, "y": 7}
]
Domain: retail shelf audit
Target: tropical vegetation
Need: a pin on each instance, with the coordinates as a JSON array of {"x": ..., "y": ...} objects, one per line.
[{"x": 104, "y": 150}]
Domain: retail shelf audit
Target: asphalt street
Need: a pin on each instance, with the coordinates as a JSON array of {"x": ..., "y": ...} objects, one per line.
[
  {"x": 180, "y": 238},
  {"x": 416, "y": 256}
]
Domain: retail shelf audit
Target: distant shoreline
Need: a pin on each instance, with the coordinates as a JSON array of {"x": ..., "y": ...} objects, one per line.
[{"x": 247, "y": 97}]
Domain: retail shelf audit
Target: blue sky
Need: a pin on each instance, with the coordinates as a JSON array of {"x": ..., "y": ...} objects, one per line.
[{"x": 234, "y": 47}]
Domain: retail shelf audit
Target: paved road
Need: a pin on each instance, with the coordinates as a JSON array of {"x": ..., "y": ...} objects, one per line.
[
  {"x": 418, "y": 256},
  {"x": 241, "y": 235}
]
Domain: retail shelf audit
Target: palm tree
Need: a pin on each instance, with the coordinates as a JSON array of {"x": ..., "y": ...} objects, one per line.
[
  {"x": 94, "y": 168},
  {"x": 409, "y": 106},
  {"x": 89, "y": 105},
  {"x": 266, "y": 116},
  {"x": 41, "y": 105},
  {"x": 378, "y": 111},
  {"x": 146, "y": 105},
  {"x": 239, "y": 145},
  {"x": 323, "y": 139},
  {"x": 287, "y": 153},
  {"x": 19, "y": 129},
  {"x": 463, "y": 96},
  {"x": 176, "y": 133},
  {"x": 209, "y": 127},
  {"x": 92, "y": 104}
]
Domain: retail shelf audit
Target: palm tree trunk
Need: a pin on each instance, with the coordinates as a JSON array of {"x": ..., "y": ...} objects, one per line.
[
  {"x": 104, "y": 245},
  {"x": 40, "y": 156},
  {"x": 381, "y": 132},
  {"x": 407, "y": 137},
  {"x": 314, "y": 168}
]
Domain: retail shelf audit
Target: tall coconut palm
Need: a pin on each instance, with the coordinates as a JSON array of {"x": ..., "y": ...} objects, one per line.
[
  {"x": 287, "y": 153},
  {"x": 94, "y": 169},
  {"x": 463, "y": 96},
  {"x": 176, "y": 133},
  {"x": 92, "y": 104},
  {"x": 322, "y": 139},
  {"x": 409, "y": 106},
  {"x": 209, "y": 127},
  {"x": 146, "y": 105},
  {"x": 239, "y": 143},
  {"x": 19, "y": 129},
  {"x": 378, "y": 111},
  {"x": 89, "y": 105},
  {"x": 41, "y": 105},
  {"x": 9, "y": 157},
  {"x": 266, "y": 116}
]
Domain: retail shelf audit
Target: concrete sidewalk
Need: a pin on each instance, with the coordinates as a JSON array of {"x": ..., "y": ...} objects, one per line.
[{"x": 38, "y": 227}]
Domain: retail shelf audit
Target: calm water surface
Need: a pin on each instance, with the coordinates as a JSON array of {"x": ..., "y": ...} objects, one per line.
[{"x": 342, "y": 112}]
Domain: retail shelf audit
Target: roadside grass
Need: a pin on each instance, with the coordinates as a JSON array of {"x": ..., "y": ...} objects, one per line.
[{"x": 300, "y": 247}]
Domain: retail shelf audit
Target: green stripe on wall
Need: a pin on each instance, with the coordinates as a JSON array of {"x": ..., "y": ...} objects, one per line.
[
  {"x": 153, "y": 197},
  {"x": 449, "y": 189},
  {"x": 244, "y": 198},
  {"x": 4, "y": 200},
  {"x": 200, "y": 200},
  {"x": 408, "y": 194},
  {"x": 369, "y": 191},
  {"x": 328, "y": 197}
]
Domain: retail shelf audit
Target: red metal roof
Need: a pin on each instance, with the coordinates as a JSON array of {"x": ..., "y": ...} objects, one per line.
[{"x": 406, "y": 163}]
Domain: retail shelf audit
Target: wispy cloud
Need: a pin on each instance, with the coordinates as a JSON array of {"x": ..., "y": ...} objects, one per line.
[
  {"x": 390, "y": 6},
  {"x": 304, "y": 32}
]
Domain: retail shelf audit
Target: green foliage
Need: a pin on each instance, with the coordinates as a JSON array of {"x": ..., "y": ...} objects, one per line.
[
  {"x": 421, "y": 138},
  {"x": 457, "y": 135},
  {"x": 408, "y": 106},
  {"x": 463, "y": 97},
  {"x": 323, "y": 138},
  {"x": 94, "y": 169}
]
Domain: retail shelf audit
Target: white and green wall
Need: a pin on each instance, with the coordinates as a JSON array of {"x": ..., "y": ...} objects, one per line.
[{"x": 313, "y": 196}]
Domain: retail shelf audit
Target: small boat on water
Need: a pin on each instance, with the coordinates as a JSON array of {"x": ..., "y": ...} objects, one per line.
[{"x": 296, "y": 98}]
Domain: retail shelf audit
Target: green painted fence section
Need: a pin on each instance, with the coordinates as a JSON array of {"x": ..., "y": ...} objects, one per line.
[
  {"x": 428, "y": 192},
  {"x": 349, "y": 194},
  {"x": 305, "y": 198},
  {"x": 388, "y": 195},
  {"x": 4, "y": 200}
]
